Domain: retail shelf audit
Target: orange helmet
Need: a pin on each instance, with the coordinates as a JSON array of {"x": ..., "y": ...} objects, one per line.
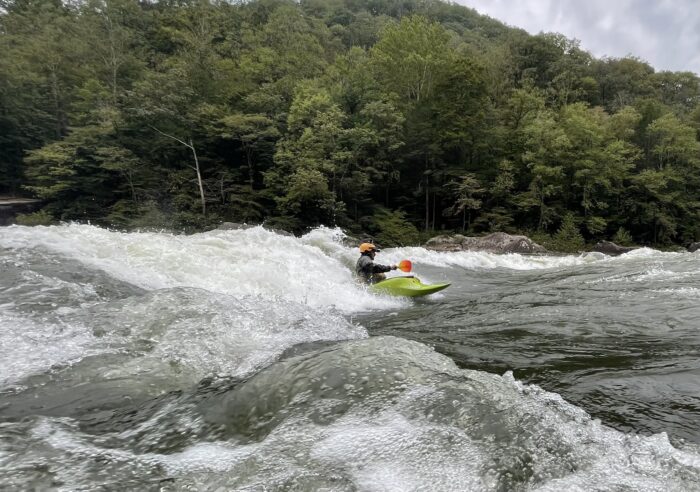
[{"x": 367, "y": 247}]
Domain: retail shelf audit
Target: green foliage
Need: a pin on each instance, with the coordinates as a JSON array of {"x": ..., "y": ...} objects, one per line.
[
  {"x": 466, "y": 189},
  {"x": 673, "y": 143},
  {"x": 411, "y": 56},
  {"x": 339, "y": 113},
  {"x": 542, "y": 238},
  {"x": 623, "y": 237},
  {"x": 596, "y": 225},
  {"x": 42, "y": 217},
  {"x": 392, "y": 229},
  {"x": 568, "y": 238}
]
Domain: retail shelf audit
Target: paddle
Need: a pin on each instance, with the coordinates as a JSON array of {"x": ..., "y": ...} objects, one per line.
[{"x": 405, "y": 266}]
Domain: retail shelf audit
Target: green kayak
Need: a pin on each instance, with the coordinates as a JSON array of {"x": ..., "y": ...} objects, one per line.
[{"x": 407, "y": 287}]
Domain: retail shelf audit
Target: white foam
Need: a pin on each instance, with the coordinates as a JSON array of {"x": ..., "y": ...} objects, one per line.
[
  {"x": 428, "y": 437},
  {"x": 316, "y": 269},
  {"x": 28, "y": 346},
  {"x": 395, "y": 453},
  {"x": 190, "y": 333},
  {"x": 473, "y": 260},
  {"x": 330, "y": 241},
  {"x": 239, "y": 262},
  {"x": 690, "y": 292}
]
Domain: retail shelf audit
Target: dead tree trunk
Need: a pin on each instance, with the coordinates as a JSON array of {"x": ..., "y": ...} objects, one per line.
[{"x": 195, "y": 167}]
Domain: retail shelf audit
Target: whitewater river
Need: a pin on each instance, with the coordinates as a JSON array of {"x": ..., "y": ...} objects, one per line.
[{"x": 246, "y": 360}]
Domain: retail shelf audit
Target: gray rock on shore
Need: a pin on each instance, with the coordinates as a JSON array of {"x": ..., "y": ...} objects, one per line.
[
  {"x": 694, "y": 247},
  {"x": 612, "y": 249},
  {"x": 497, "y": 242},
  {"x": 235, "y": 226}
]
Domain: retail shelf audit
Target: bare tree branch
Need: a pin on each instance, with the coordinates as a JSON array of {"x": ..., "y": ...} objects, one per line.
[{"x": 195, "y": 167}]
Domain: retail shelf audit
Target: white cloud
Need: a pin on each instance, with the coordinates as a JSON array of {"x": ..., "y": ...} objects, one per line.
[{"x": 664, "y": 33}]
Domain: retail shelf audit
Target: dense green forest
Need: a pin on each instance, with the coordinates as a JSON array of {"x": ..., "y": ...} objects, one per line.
[{"x": 399, "y": 118}]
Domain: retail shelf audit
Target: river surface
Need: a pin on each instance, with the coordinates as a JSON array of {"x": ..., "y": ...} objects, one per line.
[{"x": 247, "y": 360}]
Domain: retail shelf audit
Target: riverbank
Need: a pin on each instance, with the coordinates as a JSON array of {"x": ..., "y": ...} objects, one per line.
[{"x": 11, "y": 206}]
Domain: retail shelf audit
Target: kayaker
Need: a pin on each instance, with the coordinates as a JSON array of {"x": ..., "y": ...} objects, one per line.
[{"x": 369, "y": 271}]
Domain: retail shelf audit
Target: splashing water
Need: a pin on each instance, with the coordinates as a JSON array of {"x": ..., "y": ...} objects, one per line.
[{"x": 240, "y": 360}]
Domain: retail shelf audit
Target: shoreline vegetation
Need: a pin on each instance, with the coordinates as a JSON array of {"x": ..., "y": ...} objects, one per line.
[
  {"x": 398, "y": 120},
  {"x": 496, "y": 242}
]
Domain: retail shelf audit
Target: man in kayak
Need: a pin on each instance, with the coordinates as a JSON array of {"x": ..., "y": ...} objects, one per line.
[{"x": 369, "y": 271}]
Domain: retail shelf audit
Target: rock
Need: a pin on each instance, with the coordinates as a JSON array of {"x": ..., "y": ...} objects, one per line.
[
  {"x": 676, "y": 249},
  {"x": 11, "y": 206},
  {"x": 694, "y": 247},
  {"x": 612, "y": 249},
  {"x": 446, "y": 243},
  {"x": 497, "y": 242},
  {"x": 235, "y": 226}
]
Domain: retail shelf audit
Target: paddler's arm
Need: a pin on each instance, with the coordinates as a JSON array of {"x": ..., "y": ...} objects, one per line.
[{"x": 376, "y": 268}]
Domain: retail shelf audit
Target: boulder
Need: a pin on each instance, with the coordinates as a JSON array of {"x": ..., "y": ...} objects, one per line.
[
  {"x": 694, "y": 247},
  {"x": 497, "y": 242},
  {"x": 235, "y": 226},
  {"x": 446, "y": 242},
  {"x": 612, "y": 249},
  {"x": 676, "y": 248}
]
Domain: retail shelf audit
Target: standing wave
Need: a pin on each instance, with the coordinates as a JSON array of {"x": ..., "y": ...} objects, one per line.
[{"x": 253, "y": 261}]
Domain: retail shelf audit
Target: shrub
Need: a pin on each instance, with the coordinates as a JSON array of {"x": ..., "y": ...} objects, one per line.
[
  {"x": 623, "y": 238},
  {"x": 42, "y": 217},
  {"x": 568, "y": 238},
  {"x": 393, "y": 229},
  {"x": 596, "y": 225},
  {"x": 542, "y": 238}
]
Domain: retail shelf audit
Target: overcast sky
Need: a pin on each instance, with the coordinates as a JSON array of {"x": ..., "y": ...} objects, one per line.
[{"x": 665, "y": 33}]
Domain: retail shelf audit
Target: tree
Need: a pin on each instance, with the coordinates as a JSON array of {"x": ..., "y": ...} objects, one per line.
[
  {"x": 308, "y": 198},
  {"x": 315, "y": 149},
  {"x": 466, "y": 189},
  {"x": 254, "y": 135},
  {"x": 195, "y": 168},
  {"x": 411, "y": 57},
  {"x": 655, "y": 204},
  {"x": 678, "y": 90},
  {"x": 568, "y": 238},
  {"x": 289, "y": 47},
  {"x": 78, "y": 176},
  {"x": 596, "y": 162},
  {"x": 113, "y": 42},
  {"x": 334, "y": 112},
  {"x": 546, "y": 146},
  {"x": 38, "y": 67},
  {"x": 623, "y": 81},
  {"x": 392, "y": 229},
  {"x": 673, "y": 143},
  {"x": 376, "y": 140}
]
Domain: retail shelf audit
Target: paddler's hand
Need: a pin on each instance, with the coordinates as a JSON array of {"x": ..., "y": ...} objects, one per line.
[{"x": 394, "y": 267}]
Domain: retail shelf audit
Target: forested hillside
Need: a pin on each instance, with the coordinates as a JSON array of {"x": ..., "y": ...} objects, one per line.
[{"x": 393, "y": 117}]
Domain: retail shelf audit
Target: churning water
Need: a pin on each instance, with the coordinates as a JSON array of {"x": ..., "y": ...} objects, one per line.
[{"x": 247, "y": 360}]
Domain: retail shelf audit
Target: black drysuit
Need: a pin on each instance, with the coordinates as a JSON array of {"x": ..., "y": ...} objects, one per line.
[{"x": 369, "y": 271}]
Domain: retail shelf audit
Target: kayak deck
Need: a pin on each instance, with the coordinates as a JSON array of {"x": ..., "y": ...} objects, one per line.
[{"x": 406, "y": 287}]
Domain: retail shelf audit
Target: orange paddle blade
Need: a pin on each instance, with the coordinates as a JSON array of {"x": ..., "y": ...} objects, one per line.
[{"x": 405, "y": 266}]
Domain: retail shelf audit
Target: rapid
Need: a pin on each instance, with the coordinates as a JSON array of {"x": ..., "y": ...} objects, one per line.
[{"x": 250, "y": 360}]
